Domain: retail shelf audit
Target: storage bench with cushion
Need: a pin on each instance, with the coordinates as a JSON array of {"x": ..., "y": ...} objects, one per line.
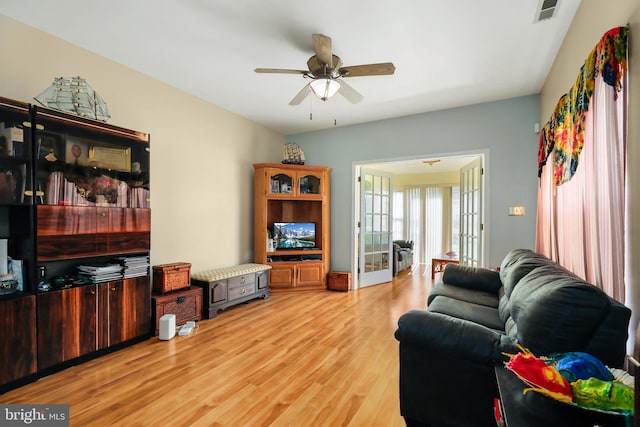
[
  {"x": 229, "y": 286},
  {"x": 475, "y": 316}
]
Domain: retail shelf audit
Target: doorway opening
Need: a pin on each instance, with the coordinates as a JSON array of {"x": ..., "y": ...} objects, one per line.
[{"x": 428, "y": 193}]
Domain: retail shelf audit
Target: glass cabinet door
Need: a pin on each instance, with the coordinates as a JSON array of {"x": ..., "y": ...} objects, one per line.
[
  {"x": 16, "y": 199},
  {"x": 15, "y": 154},
  {"x": 280, "y": 183},
  {"x": 309, "y": 184},
  {"x": 289, "y": 183},
  {"x": 81, "y": 163}
]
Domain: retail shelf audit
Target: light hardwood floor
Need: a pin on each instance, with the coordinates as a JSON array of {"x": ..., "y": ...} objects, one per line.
[{"x": 308, "y": 359}]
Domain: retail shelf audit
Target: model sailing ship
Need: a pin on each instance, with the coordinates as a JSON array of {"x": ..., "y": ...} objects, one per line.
[
  {"x": 73, "y": 94},
  {"x": 292, "y": 154}
]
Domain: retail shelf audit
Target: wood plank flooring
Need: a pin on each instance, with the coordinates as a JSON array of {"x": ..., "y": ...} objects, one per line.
[{"x": 309, "y": 359}]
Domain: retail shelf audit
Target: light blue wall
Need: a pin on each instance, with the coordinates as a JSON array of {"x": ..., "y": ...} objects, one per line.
[{"x": 503, "y": 130}]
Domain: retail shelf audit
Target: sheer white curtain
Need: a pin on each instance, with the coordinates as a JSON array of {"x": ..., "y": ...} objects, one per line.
[
  {"x": 581, "y": 222},
  {"x": 434, "y": 223},
  {"x": 398, "y": 215},
  {"x": 413, "y": 219},
  {"x": 428, "y": 220}
]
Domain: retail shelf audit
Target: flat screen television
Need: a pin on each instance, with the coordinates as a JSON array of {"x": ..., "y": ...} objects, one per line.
[{"x": 294, "y": 235}]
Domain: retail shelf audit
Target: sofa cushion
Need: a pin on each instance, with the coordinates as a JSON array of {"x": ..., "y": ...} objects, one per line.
[
  {"x": 481, "y": 314},
  {"x": 517, "y": 264},
  {"x": 555, "y": 311},
  {"x": 480, "y": 279},
  {"x": 463, "y": 294}
]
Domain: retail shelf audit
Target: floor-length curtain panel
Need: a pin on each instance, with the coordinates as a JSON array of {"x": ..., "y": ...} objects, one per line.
[
  {"x": 581, "y": 197},
  {"x": 434, "y": 227},
  {"x": 604, "y": 194},
  {"x": 414, "y": 218}
]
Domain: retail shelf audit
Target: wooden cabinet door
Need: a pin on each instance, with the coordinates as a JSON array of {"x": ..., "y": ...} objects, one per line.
[
  {"x": 77, "y": 231},
  {"x": 50, "y": 329},
  {"x": 129, "y": 230},
  {"x": 67, "y": 324},
  {"x": 292, "y": 275},
  {"x": 17, "y": 338},
  {"x": 310, "y": 274},
  {"x": 280, "y": 182},
  {"x": 282, "y": 275},
  {"x": 65, "y": 232},
  {"x": 309, "y": 185},
  {"x": 127, "y": 304},
  {"x": 292, "y": 183}
]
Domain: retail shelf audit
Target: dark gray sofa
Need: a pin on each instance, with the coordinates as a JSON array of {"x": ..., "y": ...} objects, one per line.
[
  {"x": 448, "y": 351},
  {"x": 402, "y": 255}
]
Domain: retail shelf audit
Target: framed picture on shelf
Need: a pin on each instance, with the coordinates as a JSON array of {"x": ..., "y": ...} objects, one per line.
[
  {"x": 77, "y": 152},
  {"x": 111, "y": 157},
  {"x": 49, "y": 147},
  {"x": 275, "y": 186}
]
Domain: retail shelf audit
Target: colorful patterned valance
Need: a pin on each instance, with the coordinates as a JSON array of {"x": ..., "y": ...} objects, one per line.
[{"x": 562, "y": 137}]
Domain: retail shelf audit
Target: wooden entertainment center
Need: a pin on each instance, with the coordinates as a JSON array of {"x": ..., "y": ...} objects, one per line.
[{"x": 286, "y": 193}]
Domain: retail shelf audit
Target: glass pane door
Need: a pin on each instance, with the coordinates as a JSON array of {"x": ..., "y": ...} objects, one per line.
[
  {"x": 376, "y": 252},
  {"x": 471, "y": 214}
]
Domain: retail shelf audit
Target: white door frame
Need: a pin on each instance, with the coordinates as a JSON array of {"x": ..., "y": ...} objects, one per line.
[{"x": 355, "y": 200}]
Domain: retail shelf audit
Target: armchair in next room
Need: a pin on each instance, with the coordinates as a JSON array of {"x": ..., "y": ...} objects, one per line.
[{"x": 402, "y": 255}]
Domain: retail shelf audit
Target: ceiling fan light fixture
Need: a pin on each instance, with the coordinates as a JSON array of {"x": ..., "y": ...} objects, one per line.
[{"x": 324, "y": 88}]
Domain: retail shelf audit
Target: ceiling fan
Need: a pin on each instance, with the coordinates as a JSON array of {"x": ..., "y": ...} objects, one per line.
[{"x": 326, "y": 73}]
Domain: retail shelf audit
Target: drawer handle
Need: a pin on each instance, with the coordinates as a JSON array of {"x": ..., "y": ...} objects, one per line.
[
  {"x": 180, "y": 300},
  {"x": 242, "y": 279},
  {"x": 243, "y": 291}
]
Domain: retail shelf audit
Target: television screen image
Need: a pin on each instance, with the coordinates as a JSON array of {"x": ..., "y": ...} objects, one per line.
[{"x": 294, "y": 235}]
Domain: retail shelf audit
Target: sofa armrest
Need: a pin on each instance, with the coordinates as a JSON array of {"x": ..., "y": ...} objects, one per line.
[
  {"x": 480, "y": 279},
  {"x": 457, "y": 337}
]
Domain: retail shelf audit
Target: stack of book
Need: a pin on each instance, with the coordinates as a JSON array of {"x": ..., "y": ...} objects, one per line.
[
  {"x": 99, "y": 273},
  {"x": 134, "y": 266}
]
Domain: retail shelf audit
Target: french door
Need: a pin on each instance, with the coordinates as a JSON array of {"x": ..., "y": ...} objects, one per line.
[
  {"x": 471, "y": 226},
  {"x": 376, "y": 247}
]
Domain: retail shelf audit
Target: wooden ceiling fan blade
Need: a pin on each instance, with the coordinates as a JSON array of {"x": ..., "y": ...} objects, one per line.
[
  {"x": 382, "y": 69},
  {"x": 350, "y": 93},
  {"x": 322, "y": 47},
  {"x": 280, "y": 71},
  {"x": 306, "y": 90}
]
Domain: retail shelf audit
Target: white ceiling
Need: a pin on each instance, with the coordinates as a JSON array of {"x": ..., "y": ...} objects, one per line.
[
  {"x": 423, "y": 166},
  {"x": 446, "y": 53}
]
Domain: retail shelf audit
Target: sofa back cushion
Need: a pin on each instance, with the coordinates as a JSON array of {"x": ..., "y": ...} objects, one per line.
[
  {"x": 517, "y": 264},
  {"x": 555, "y": 311}
]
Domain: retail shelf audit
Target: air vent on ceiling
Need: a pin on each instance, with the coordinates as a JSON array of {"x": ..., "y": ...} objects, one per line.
[{"x": 545, "y": 9}]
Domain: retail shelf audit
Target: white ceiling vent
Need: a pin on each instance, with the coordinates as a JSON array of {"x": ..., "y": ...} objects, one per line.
[{"x": 545, "y": 9}]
